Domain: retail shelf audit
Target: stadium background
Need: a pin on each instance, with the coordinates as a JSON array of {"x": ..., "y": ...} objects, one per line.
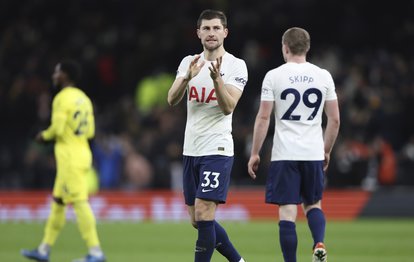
[{"x": 130, "y": 51}]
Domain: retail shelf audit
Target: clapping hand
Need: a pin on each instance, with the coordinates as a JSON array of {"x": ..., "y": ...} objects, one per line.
[
  {"x": 215, "y": 68},
  {"x": 194, "y": 68}
]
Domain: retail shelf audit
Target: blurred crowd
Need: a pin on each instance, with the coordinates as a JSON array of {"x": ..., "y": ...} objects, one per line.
[{"x": 130, "y": 51}]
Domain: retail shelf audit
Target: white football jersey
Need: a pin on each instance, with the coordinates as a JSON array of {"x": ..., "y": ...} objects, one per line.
[
  {"x": 299, "y": 92},
  {"x": 208, "y": 130}
]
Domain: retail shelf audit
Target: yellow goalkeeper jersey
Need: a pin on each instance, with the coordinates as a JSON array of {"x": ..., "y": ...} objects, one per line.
[{"x": 72, "y": 125}]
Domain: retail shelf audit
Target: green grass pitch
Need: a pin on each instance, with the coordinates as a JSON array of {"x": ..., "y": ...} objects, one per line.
[{"x": 361, "y": 240}]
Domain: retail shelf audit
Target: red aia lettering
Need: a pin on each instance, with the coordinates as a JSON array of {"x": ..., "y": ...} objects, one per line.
[{"x": 194, "y": 95}]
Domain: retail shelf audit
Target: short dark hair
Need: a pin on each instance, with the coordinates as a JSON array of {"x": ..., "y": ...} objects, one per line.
[
  {"x": 209, "y": 14},
  {"x": 72, "y": 69},
  {"x": 297, "y": 39}
]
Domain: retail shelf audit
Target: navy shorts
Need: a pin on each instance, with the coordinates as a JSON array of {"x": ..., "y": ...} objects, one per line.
[
  {"x": 206, "y": 177},
  {"x": 295, "y": 182}
]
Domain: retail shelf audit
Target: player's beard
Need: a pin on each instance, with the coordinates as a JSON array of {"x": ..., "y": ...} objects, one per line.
[{"x": 213, "y": 47}]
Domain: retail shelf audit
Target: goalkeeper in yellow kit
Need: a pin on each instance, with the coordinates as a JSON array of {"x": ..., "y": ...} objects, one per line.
[{"x": 72, "y": 125}]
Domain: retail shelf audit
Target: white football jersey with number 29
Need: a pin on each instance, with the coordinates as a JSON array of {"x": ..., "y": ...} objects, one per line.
[{"x": 299, "y": 92}]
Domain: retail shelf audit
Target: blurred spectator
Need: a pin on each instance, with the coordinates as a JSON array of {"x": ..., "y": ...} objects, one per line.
[
  {"x": 138, "y": 171},
  {"x": 108, "y": 159},
  {"x": 152, "y": 92}
]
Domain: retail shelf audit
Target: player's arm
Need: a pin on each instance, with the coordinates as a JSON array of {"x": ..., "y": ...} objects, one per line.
[
  {"x": 177, "y": 90},
  {"x": 332, "y": 128},
  {"x": 58, "y": 121},
  {"x": 227, "y": 95},
  {"x": 91, "y": 124},
  {"x": 261, "y": 126}
]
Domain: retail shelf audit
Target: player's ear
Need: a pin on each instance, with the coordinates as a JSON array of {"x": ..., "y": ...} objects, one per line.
[
  {"x": 198, "y": 33},
  {"x": 226, "y": 32},
  {"x": 285, "y": 49}
]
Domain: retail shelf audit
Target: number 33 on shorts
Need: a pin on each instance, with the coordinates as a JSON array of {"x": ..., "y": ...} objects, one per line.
[{"x": 210, "y": 180}]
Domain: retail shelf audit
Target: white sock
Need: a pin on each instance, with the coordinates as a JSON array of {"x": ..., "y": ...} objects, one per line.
[
  {"x": 43, "y": 249},
  {"x": 242, "y": 260},
  {"x": 96, "y": 251}
]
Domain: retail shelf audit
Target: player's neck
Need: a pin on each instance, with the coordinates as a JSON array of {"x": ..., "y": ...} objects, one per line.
[
  {"x": 68, "y": 84},
  {"x": 296, "y": 59},
  {"x": 214, "y": 54}
]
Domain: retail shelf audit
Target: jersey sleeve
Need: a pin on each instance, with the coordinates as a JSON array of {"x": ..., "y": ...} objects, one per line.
[
  {"x": 267, "y": 89},
  {"x": 183, "y": 67},
  {"x": 330, "y": 93},
  {"x": 91, "y": 120},
  {"x": 239, "y": 75},
  {"x": 58, "y": 121}
]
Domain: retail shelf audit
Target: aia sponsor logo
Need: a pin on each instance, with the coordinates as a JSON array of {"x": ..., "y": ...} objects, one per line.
[{"x": 202, "y": 96}]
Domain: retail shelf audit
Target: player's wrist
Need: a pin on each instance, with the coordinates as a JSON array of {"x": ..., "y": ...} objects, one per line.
[
  {"x": 187, "y": 76},
  {"x": 217, "y": 80}
]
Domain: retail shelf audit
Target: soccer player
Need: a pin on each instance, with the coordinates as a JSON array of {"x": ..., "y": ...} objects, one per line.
[
  {"x": 214, "y": 81},
  {"x": 300, "y": 92},
  {"x": 72, "y": 125}
]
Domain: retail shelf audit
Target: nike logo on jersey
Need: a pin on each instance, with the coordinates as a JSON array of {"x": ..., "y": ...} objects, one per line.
[{"x": 206, "y": 190}]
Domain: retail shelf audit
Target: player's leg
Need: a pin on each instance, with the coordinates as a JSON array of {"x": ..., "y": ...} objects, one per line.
[
  {"x": 223, "y": 243},
  {"x": 206, "y": 237},
  {"x": 87, "y": 225},
  {"x": 55, "y": 222},
  {"x": 287, "y": 231},
  {"x": 54, "y": 225},
  {"x": 316, "y": 221},
  {"x": 202, "y": 218},
  {"x": 283, "y": 189},
  {"x": 204, "y": 212},
  {"x": 214, "y": 176},
  {"x": 202, "y": 180},
  {"x": 77, "y": 194},
  {"x": 312, "y": 195},
  {"x": 191, "y": 212}
]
